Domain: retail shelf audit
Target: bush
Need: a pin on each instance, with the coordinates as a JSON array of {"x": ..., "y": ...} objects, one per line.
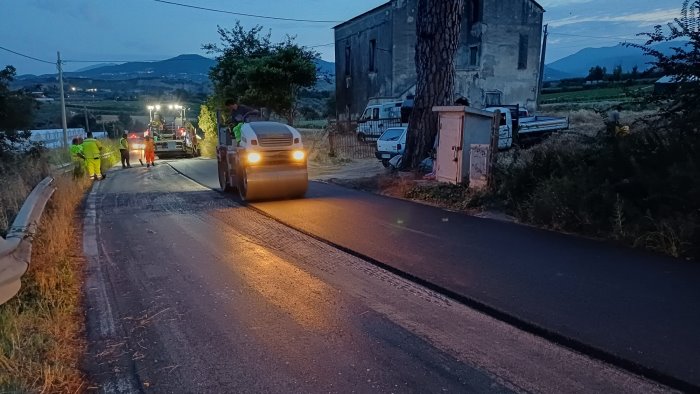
[{"x": 642, "y": 189}]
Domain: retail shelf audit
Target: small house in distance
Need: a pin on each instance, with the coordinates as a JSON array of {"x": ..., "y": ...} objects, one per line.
[{"x": 498, "y": 60}]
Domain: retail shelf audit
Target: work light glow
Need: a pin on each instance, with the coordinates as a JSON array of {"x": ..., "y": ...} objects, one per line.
[{"x": 254, "y": 157}]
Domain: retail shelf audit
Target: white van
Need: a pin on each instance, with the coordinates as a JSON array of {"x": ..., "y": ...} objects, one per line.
[
  {"x": 377, "y": 118},
  {"x": 391, "y": 143}
]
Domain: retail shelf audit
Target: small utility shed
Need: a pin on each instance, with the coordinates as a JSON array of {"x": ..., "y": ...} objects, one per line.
[{"x": 467, "y": 138}]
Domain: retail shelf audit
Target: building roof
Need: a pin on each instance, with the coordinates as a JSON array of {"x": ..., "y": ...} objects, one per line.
[
  {"x": 673, "y": 79},
  {"x": 537, "y": 4},
  {"x": 388, "y": 3},
  {"x": 385, "y": 5}
]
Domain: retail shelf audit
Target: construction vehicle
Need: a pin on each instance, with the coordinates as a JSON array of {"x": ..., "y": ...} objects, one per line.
[
  {"x": 268, "y": 163},
  {"x": 173, "y": 140}
]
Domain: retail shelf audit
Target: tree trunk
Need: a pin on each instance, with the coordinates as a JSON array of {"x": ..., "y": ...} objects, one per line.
[{"x": 438, "y": 24}]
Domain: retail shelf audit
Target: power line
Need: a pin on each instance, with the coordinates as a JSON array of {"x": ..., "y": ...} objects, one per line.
[
  {"x": 129, "y": 61},
  {"x": 27, "y": 56},
  {"x": 243, "y": 14}
]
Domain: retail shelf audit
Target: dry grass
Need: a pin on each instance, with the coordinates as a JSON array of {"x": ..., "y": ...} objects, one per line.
[
  {"x": 41, "y": 329},
  {"x": 17, "y": 179}
]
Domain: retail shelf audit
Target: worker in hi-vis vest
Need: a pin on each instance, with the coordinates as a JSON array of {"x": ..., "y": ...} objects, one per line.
[
  {"x": 124, "y": 151},
  {"x": 76, "y": 155},
  {"x": 92, "y": 150}
]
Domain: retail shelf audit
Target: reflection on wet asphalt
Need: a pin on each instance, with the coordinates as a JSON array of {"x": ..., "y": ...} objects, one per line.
[{"x": 208, "y": 296}]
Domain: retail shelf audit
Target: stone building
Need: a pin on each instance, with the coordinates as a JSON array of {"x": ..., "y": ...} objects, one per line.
[{"x": 498, "y": 60}]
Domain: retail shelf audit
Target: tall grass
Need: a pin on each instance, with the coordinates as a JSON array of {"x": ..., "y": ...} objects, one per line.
[
  {"x": 642, "y": 189},
  {"x": 18, "y": 176},
  {"x": 41, "y": 340}
]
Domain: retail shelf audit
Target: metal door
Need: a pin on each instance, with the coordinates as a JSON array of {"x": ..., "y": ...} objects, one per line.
[{"x": 449, "y": 151}]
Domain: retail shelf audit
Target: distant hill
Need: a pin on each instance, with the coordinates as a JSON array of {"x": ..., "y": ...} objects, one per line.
[
  {"x": 88, "y": 68},
  {"x": 578, "y": 64},
  {"x": 325, "y": 67},
  {"x": 193, "y": 66},
  {"x": 552, "y": 74}
]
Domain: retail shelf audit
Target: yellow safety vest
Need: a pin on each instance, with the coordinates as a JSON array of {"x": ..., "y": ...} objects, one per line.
[{"x": 91, "y": 148}]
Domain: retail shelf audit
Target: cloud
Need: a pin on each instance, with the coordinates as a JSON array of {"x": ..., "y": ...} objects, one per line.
[
  {"x": 655, "y": 17},
  {"x": 81, "y": 10},
  {"x": 561, "y": 3}
]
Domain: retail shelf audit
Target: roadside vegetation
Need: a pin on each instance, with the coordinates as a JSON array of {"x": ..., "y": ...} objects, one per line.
[
  {"x": 41, "y": 329},
  {"x": 640, "y": 188}
]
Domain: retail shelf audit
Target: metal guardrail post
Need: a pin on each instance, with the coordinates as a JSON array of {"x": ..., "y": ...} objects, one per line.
[{"x": 16, "y": 248}]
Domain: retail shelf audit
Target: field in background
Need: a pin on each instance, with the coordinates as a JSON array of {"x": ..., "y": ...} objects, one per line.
[{"x": 592, "y": 95}]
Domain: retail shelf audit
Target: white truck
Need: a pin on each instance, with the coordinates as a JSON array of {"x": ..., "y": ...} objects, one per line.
[
  {"x": 527, "y": 129},
  {"x": 378, "y": 117}
]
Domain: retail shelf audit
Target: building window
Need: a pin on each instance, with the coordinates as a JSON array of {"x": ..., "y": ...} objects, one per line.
[
  {"x": 473, "y": 11},
  {"x": 473, "y": 56},
  {"x": 347, "y": 60},
  {"x": 372, "y": 55},
  {"x": 522, "y": 52},
  {"x": 493, "y": 98}
]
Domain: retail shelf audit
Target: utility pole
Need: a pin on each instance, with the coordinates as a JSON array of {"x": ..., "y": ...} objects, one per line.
[
  {"x": 87, "y": 123},
  {"x": 64, "y": 123},
  {"x": 542, "y": 59}
]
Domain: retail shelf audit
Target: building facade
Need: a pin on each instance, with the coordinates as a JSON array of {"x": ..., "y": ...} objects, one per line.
[{"x": 497, "y": 62}]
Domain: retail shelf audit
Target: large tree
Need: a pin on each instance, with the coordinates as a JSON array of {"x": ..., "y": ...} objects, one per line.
[
  {"x": 237, "y": 48},
  {"x": 438, "y": 24},
  {"x": 16, "y": 113},
  {"x": 275, "y": 80},
  {"x": 256, "y": 72}
]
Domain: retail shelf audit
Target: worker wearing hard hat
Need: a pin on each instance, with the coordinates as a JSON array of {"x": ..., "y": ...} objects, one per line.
[{"x": 92, "y": 150}]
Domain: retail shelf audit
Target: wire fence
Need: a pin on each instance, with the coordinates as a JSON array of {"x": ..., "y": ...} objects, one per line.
[{"x": 345, "y": 143}]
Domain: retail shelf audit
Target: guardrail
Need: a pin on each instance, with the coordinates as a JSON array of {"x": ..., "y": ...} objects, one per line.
[{"x": 16, "y": 247}]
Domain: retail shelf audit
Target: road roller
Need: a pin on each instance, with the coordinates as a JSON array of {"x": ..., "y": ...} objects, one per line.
[{"x": 268, "y": 163}]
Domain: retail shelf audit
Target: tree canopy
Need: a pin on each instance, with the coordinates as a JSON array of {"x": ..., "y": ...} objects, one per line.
[
  {"x": 16, "y": 112},
  {"x": 257, "y": 72},
  {"x": 682, "y": 66}
]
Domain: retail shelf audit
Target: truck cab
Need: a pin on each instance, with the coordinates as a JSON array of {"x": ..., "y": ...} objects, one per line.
[{"x": 378, "y": 117}]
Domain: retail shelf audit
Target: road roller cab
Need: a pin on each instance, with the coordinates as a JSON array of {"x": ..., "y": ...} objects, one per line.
[{"x": 268, "y": 163}]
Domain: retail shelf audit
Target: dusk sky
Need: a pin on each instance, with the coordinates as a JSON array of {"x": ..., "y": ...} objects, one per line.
[{"x": 129, "y": 30}]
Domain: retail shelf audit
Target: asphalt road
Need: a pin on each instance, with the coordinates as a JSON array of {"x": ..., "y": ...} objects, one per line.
[
  {"x": 188, "y": 291},
  {"x": 639, "y": 308}
]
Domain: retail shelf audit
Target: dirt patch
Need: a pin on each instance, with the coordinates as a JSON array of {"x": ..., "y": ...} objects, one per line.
[{"x": 412, "y": 187}]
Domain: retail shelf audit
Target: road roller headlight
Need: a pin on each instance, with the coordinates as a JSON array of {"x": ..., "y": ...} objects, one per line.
[
  {"x": 298, "y": 155},
  {"x": 254, "y": 157}
]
